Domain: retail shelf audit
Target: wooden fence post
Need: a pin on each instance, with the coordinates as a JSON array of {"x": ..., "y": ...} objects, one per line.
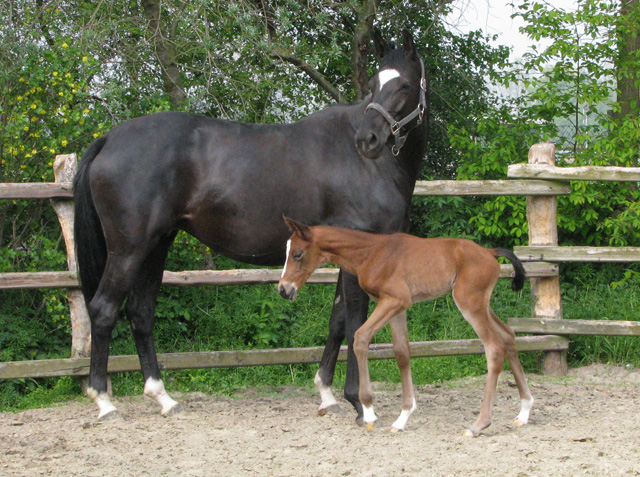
[
  {"x": 64, "y": 168},
  {"x": 543, "y": 230}
]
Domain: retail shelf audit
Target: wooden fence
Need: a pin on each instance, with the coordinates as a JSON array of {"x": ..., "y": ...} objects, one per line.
[{"x": 539, "y": 180}]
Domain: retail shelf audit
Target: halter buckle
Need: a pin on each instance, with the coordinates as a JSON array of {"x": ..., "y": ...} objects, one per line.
[{"x": 395, "y": 129}]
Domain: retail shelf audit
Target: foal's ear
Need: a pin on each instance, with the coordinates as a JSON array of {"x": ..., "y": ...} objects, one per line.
[
  {"x": 381, "y": 45},
  {"x": 409, "y": 45},
  {"x": 301, "y": 230}
]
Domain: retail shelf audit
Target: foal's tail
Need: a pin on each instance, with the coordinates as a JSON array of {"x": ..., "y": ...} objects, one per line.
[
  {"x": 90, "y": 244},
  {"x": 518, "y": 279}
]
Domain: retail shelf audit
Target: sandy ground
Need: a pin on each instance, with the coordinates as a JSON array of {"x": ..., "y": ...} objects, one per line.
[{"x": 585, "y": 424}]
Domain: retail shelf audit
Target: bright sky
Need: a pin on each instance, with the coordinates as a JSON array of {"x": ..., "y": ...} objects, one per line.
[{"x": 494, "y": 17}]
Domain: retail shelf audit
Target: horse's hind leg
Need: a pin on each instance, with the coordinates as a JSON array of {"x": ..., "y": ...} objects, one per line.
[
  {"x": 474, "y": 305},
  {"x": 140, "y": 311},
  {"x": 103, "y": 311},
  {"x": 526, "y": 398}
]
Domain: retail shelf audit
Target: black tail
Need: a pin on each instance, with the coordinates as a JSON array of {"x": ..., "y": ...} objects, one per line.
[
  {"x": 90, "y": 245},
  {"x": 518, "y": 279}
]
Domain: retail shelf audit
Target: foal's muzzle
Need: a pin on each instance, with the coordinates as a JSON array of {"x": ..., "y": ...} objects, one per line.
[{"x": 288, "y": 291}]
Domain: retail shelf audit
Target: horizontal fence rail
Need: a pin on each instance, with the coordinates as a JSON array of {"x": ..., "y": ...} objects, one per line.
[
  {"x": 264, "y": 357},
  {"x": 541, "y": 181},
  {"x": 25, "y": 280}
]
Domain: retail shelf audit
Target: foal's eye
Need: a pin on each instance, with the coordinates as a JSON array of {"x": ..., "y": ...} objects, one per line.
[{"x": 297, "y": 255}]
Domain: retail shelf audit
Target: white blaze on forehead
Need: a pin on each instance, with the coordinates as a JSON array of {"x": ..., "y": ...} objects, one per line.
[
  {"x": 287, "y": 259},
  {"x": 387, "y": 75}
]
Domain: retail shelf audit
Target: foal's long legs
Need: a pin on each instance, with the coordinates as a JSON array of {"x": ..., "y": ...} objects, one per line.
[
  {"x": 526, "y": 399},
  {"x": 387, "y": 309},
  {"x": 499, "y": 342},
  {"x": 140, "y": 311},
  {"x": 400, "y": 337}
]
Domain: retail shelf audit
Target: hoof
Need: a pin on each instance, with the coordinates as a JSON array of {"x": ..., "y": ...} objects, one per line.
[
  {"x": 177, "y": 409},
  {"x": 519, "y": 423},
  {"x": 371, "y": 426},
  {"x": 360, "y": 421},
  {"x": 333, "y": 409},
  {"x": 110, "y": 416},
  {"x": 469, "y": 433},
  {"x": 395, "y": 430}
]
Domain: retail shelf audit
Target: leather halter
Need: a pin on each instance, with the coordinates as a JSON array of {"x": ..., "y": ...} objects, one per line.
[{"x": 397, "y": 126}]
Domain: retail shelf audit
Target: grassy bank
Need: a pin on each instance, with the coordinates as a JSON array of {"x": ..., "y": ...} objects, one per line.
[{"x": 199, "y": 319}]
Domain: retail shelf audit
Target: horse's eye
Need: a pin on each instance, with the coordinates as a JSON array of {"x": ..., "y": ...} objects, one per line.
[
  {"x": 405, "y": 88},
  {"x": 298, "y": 255}
]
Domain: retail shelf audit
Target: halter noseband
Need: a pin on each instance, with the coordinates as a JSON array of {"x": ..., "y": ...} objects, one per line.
[{"x": 397, "y": 126}]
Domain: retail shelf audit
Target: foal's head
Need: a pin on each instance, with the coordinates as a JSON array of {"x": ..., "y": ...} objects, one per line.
[
  {"x": 398, "y": 98},
  {"x": 303, "y": 257}
]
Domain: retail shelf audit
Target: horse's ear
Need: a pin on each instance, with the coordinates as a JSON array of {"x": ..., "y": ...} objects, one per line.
[
  {"x": 409, "y": 45},
  {"x": 301, "y": 230},
  {"x": 381, "y": 45}
]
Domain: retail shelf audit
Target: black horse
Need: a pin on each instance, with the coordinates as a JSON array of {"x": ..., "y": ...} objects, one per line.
[{"x": 229, "y": 184}]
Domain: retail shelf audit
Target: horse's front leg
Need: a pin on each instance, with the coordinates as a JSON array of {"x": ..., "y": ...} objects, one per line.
[
  {"x": 356, "y": 308},
  {"x": 326, "y": 371},
  {"x": 400, "y": 336},
  {"x": 385, "y": 311}
]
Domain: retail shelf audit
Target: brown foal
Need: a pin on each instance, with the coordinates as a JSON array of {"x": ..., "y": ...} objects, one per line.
[{"x": 398, "y": 270}]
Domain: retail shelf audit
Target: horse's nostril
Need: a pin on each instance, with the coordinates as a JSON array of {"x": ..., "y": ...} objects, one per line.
[{"x": 372, "y": 140}]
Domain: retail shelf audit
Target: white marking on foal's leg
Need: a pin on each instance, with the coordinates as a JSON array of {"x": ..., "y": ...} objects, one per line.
[
  {"x": 286, "y": 260},
  {"x": 326, "y": 395},
  {"x": 154, "y": 388},
  {"x": 103, "y": 402},
  {"x": 369, "y": 417},
  {"x": 403, "y": 418},
  {"x": 387, "y": 75},
  {"x": 525, "y": 409}
]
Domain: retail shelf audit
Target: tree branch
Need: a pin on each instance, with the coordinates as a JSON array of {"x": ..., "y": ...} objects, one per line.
[{"x": 314, "y": 74}]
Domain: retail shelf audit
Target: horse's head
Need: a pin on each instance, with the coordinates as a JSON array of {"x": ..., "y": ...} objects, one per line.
[
  {"x": 303, "y": 257},
  {"x": 398, "y": 98}
]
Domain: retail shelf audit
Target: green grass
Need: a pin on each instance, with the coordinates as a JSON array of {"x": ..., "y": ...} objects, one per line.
[{"x": 241, "y": 317}]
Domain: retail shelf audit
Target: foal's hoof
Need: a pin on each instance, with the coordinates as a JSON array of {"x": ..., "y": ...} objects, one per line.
[
  {"x": 333, "y": 409},
  {"x": 469, "y": 433},
  {"x": 371, "y": 426},
  {"x": 519, "y": 423},
  {"x": 110, "y": 416},
  {"x": 395, "y": 430},
  {"x": 175, "y": 410}
]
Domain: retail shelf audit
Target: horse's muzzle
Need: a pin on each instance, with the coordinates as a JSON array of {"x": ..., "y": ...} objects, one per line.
[{"x": 288, "y": 291}]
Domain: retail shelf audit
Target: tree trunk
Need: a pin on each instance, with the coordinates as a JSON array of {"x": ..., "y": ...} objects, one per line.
[
  {"x": 628, "y": 69},
  {"x": 361, "y": 47},
  {"x": 165, "y": 52}
]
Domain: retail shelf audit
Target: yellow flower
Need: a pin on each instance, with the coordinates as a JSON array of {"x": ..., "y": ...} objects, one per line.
[
  {"x": 64, "y": 143},
  {"x": 60, "y": 93},
  {"x": 64, "y": 45},
  {"x": 84, "y": 58},
  {"x": 55, "y": 73},
  {"x": 19, "y": 98},
  {"x": 96, "y": 135}
]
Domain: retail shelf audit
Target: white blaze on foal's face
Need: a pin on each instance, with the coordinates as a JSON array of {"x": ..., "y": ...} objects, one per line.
[{"x": 387, "y": 75}]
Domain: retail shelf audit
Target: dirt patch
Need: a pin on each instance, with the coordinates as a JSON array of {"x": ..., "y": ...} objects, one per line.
[{"x": 585, "y": 424}]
